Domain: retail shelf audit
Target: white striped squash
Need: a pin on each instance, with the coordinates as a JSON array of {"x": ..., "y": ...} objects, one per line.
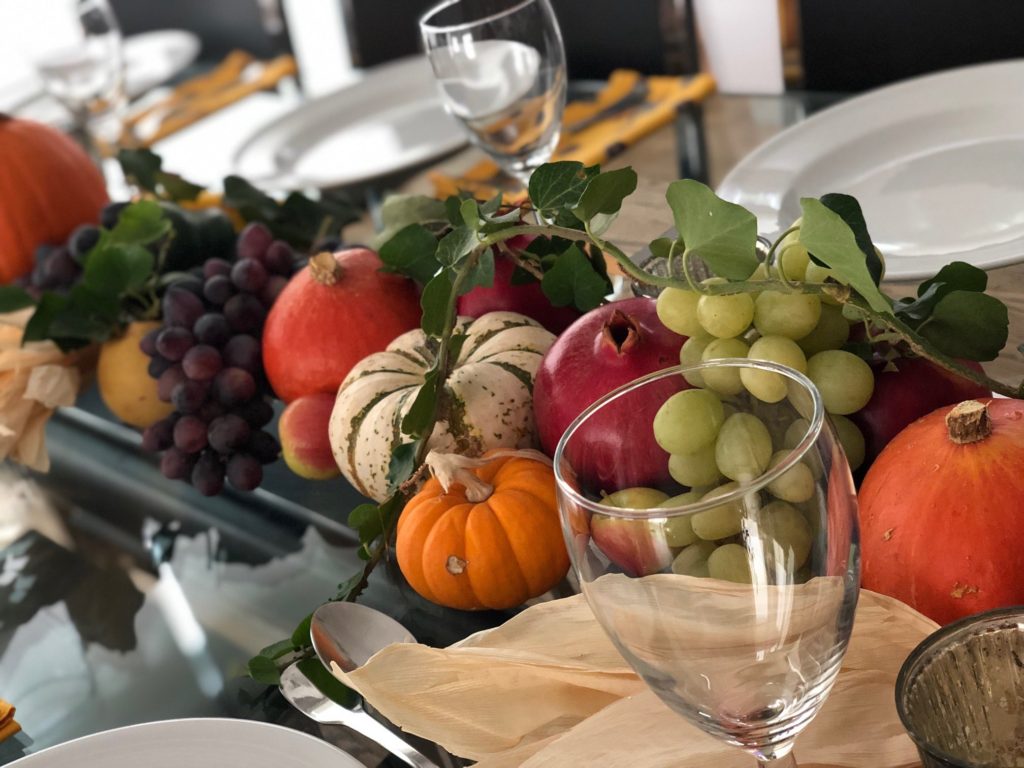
[{"x": 489, "y": 391}]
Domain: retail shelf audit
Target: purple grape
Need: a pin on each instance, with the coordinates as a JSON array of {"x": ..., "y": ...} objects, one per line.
[
  {"x": 228, "y": 433},
  {"x": 176, "y": 465},
  {"x": 158, "y": 436},
  {"x": 272, "y": 290},
  {"x": 202, "y": 363},
  {"x": 191, "y": 283},
  {"x": 208, "y": 474},
  {"x": 244, "y": 313},
  {"x": 213, "y": 267},
  {"x": 279, "y": 258},
  {"x": 233, "y": 386},
  {"x": 148, "y": 342},
  {"x": 111, "y": 214},
  {"x": 211, "y": 410},
  {"x": 158, "y": 366},
  {"x": 218, "y": 289},
  {"x": 82, "y": 241},
  {"x": 253, "y": 241},
  {"x": 213, "y": 329},
  {"x": 189, "y": 396},
  {"x": 243, "y": 351},
  {"x": 263, "y": 446},
  {"x": 59, "y": 270},
  {"x": 181, "y": 307},
  {"x": 245, "y": 472},
  {"x": 174, "y": 342},
  {"x": 248, "y": 275},
  {"x": 190, "y": 434},
  {"x": 168, "y": 380},
  {"x": 257, "y": 413}
]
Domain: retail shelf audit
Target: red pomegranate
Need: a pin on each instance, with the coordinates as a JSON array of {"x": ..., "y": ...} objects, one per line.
[
  {"x": 606, "y": 348},
  {"x": 331, "y": 315},
  {"x": 525, "y": 298}
]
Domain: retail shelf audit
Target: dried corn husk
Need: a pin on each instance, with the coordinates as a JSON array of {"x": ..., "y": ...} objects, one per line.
[
  {"x": 35, "y": 379},
  {"x": 548, "y": 689}
]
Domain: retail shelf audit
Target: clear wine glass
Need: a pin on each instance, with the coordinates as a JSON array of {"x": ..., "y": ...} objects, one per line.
[
  {"x": 501, "y": 69},
  {"x": 734, "y": 597}
]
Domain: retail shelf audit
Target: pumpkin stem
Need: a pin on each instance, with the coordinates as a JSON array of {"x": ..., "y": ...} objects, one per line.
[
  {"x": 325, "y": 268},
  {"x": 621, "y": 331},
  {"x": 968, "y": 422},
  {"x": 451, "y": 468}
]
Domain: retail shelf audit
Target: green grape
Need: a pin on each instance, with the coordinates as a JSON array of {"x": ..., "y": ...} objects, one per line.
[
  {"x": 635, "y": 498},
  {"x": 792, "y": 257},
  {"x": 743, "y": 448},
  {"x": 760, "y": 274},
  {"x": 691, "y": 353},
  {"x": 730, "y": 562},
  {"x": 831, "y": 332},
  {"x": 795, "y": 484},
  {"x": 851, "y": 438},
  {"x": 844, "y": 380},
  {"x": 679, "y": 529},
  {"x": 688, "y": 421},
  {"x": 768, "y": 386},
  {"x": 816, "y": 274},
  {"x": 722, "y": 521},
  {"x": 853, "y": 313},
  {"x": 693, "y": 561},
  {"x": 695, "y": 469},
  {"x": 727, "y": 315},
  {"x": 787, "y": 534},
  {"x": 795, "y": 433},
  {"x": 792, "y": 315},
  {"x": 677, "y": 310},
  {"x": 725, "y": 380}
]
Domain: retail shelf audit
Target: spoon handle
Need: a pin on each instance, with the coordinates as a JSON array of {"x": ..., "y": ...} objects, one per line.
[{"x": 392, "y": 742}]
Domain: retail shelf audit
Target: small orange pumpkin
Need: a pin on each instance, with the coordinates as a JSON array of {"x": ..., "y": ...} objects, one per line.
[
  {"x": 483, "y": 533},
  {"x": 48, "y": 186}
]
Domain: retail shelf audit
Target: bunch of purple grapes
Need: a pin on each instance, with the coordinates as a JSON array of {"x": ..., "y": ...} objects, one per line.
[{"x": 207, "y": 361}]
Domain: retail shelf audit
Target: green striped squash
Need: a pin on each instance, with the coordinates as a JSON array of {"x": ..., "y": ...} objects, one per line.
[{"x": 489, "y": 396}]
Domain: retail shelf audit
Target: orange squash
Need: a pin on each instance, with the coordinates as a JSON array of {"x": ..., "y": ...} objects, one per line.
[
  {"x": 941, "y": 509},
  {"x": 491, "y": 540},
  {"x": 48, "y": 186}
]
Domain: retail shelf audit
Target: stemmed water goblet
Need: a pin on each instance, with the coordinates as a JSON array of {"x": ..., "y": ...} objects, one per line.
[
  {"x": 725, "y": 570},
  {"x": 500, "y": 65}
]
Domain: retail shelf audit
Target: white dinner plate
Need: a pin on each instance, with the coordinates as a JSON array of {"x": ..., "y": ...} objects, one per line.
[
  {"x": 937, "y": 163},
  {"x": 198, "y": 743},
  {"x": 389, "y": 120},
  {"x": 152, "y": 58}
]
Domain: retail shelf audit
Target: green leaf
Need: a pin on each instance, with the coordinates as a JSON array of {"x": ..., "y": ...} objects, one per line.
[
  {"x": 38, "y": 326},
  {"x": 263, "y": 670},
  {"x": 140, "y": 167},
  {"x": 118, "y": 268},
  {"x": 957, "y": 276},
  {"x": 411, "y": 252},
  {"x": 300, "y": 637},
  {"x": 470, "y": 213},
  {"x": 140, "y": 223},
  {"x": 13, "y": 298},
  {"x": 521, "y": 276},
  {"x": 455, "y": 245},
  {"x": 605, "y": 193},
  {"x": 402, "y": 210},
  {"x": 830, "y": 239},
  {"x": 849, "y": 211},
  {"x": 367, "y": 520},
  {"x": 968, "y": 324},
  {"x": 278, "y": 649},
  {"x": 558, "y": 185},
  {"x": 662, "y": 247},
  {"x": 434, "y": 302},
  {"x": 177, "y": 188},
  {"x": 481, "y": 274},
  {"x": 491, "y": 207},
  {"x": 453, "y": 210},
  {"x": 572, "y": 280},
  {"x": 328, "y": 684},
  {"x": 420, "y": 413},
  {"x": 346, "y": 587},
  {"x": 401, "y": 466},
  {"x": 723, "y": 234}
]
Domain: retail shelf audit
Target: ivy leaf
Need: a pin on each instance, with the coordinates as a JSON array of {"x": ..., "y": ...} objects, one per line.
[
  {"x": 263, "y": 670},
  {"x": 140, "y": 223},
  {"x": 300, "y": 637},
  {"x": 278, "y": 649},
  {"x": 38, "y": 326},
  {"x": 849, "y": 211},
  {"x": 434, "y": 302},
  {"x": 521, "y": 276},
  {"x": 662, "y": 247},
  {"x": 831, "y": 240},
  {"x": 117, "y": 268},
  {"x": 400, "y": 211},
  {"x": 968, "y": 324},
  {"x": 367, "y": 520},
  {"x": 177, "y": 188},
  {"x": 13, "y": 298},
  {"x": 453, "y": 210},
  {"x": 470, "y": 214},
  {"x": 411, "y": 253},
  {"x": 573, "y": 280},
  {"x": 554, "y": 186},
  {"x": 455, "y": 245},
  {"x": 604, "y": 195},
  {"x": 482, "y": 273},
  {"x": 327, "y": 683},
  {"x": 958, "y": 276},
  {"x": 417, "y": 419},
  {"x": 491, "y": 207},
  {"x": 723, "y": 234},
  {"x": 401, "y": 466},
  {"x": 346, "y": 587}
]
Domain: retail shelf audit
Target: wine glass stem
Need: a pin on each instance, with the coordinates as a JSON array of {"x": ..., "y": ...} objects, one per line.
[{"x": 786, "y": 761}]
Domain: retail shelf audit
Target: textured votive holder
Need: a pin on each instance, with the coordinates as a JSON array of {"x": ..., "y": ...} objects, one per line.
[{"x": 960, "y": 694}]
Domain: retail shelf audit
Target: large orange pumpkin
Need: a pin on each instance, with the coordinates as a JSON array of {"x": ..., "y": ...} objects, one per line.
[
  {"x": 492, "y": 540},
  {"x": 48, "y": 186},
  {"x": 942, "y": 510}
]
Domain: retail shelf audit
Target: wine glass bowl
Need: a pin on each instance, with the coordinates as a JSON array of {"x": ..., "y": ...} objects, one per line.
[
  {"x": 733, "y": 600},
  {"x": 500, "y": 66}
]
